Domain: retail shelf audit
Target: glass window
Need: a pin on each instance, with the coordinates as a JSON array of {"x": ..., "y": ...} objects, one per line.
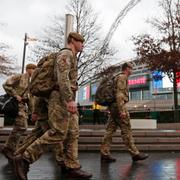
[
  {"x": 136, "y": 95},
  {"x": 145, "y": 94},
  {"x": 169, "y": 96},
  {"x": 179, "y": 99},
  {"x": 161, "y": 96}
]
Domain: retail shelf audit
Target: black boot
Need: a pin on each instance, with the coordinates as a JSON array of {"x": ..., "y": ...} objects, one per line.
[
  {"x": 140, "y": 156},
  {"x": 21, "y": 167},
  {"x": 78, "y": 173},
  {"x": 107, "y": 158}
]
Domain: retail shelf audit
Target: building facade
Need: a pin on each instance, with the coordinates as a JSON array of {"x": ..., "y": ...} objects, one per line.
[{"x": 146, "y": 91}]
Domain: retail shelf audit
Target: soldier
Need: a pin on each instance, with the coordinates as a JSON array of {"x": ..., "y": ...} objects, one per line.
[
  {"x": 63, "y": 115},
  {"x": 40, "y": 117},
  {"x": 17, "y": 86},
  {"x": 120, "y": 118}
]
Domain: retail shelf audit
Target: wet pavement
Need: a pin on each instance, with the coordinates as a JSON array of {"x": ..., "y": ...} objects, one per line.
[{"x": 159, "y": 166}]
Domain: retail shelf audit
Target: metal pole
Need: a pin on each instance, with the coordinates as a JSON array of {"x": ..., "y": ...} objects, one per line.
[
  {"x": 24, "y": 52},
  {"x": 69, "y": 27}
]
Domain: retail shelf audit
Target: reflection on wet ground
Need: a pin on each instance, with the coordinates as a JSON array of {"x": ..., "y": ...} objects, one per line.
[{"x": 160, "y": 166}]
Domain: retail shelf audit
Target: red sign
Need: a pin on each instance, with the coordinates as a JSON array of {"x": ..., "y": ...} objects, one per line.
[
  {"x": 137, "y": 81},
  {"x": 86, "y": 92},
  {"x": 178, "y": 79}
]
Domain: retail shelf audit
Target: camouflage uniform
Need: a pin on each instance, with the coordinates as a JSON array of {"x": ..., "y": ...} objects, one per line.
[
  {"x": 63, "y": 124},
  {"x": 17, "y": 85},
  {"x": 30, "y": 105},
  {"x": 40, "y": 108},
  {"x": 122, "y": 97}
]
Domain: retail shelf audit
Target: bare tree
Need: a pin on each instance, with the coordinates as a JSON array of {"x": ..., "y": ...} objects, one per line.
[
  {"x": 163, "y": 52},
  {"x": 86, "y": 24},
  {"x": 5, "y": 60},
  {"x": 51, "y": 39}
]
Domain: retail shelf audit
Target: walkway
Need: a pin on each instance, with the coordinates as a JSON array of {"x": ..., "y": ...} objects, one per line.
[{"x": 160, "y": 166}]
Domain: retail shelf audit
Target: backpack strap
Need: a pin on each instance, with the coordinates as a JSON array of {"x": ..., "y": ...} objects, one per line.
[
  {"x": 72, "y": 52},
  {"x": 65, "y": 49}
]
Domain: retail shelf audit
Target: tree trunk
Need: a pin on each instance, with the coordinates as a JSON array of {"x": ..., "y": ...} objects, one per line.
[{"x": 175, "y": 94}]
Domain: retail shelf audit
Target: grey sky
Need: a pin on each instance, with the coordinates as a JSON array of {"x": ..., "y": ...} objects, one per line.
[
  {"x": 31, "y": 16},
  {"x": 20, "y": 16}
]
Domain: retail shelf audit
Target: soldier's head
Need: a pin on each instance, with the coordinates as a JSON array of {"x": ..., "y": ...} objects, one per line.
[
  {"x": 76, "y": 41},
  {"x": 30, "y": 69},
  {"x": 127, "y": 68}
]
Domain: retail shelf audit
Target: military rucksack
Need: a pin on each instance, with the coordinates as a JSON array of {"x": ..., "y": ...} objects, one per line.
[
  {"x": 106, "y": 91},
  {"x": 43, "y": 81}
]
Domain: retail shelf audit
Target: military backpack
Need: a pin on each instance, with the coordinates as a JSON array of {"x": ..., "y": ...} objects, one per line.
[
  {"x": 42, "y": 81},
  {"x": 106, "y": 91}
]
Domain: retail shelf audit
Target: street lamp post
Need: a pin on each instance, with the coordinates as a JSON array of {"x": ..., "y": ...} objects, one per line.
[
  {"x": 24, "y": 52},
  {"x": 69, "y": 27}
]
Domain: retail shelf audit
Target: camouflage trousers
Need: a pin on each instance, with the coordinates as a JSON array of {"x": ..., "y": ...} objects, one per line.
[
  {"x": 40, "y": 128},
  {"x": 126, "y": 132},
  {"x": 19, "y": 127},
  {"x": 64, "y": 128}
]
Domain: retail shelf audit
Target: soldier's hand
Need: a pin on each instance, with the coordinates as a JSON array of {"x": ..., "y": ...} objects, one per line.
[
  {"x": 122, "y": 115},
  {"x": 71, "y": 106},
  {"x": 19, "y": 98}
]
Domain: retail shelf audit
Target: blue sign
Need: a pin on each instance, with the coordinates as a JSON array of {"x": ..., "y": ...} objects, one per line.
[{"x": 157, "y": 79}]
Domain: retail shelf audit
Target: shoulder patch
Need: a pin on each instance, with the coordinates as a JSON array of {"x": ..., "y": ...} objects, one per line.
[{"x": 64, "y": 59}]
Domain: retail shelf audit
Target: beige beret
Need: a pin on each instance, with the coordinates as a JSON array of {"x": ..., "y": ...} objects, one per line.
[
  {"x": 30, "y": 66},
  {"x": 76, "y": 36}
]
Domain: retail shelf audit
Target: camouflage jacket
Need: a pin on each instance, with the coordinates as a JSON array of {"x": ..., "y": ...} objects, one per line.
[
  {"x": 67, "y": 74},
  {"x": 16, "y": 85},
  {"x": 122, "y": 91}
]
